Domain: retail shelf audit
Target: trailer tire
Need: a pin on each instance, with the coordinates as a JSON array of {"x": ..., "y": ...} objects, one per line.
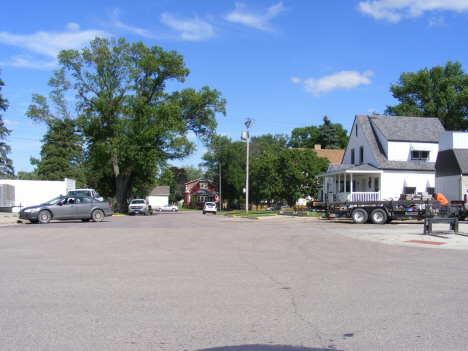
[
  {"x": 378, "y": 216},
  {"x": 359, "y": 216}
]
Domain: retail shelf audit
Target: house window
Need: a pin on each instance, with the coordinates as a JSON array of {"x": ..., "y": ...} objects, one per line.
[
  {"x": 356, "y": 129},
  {"x": 419, "y": 155},
  {"x": 376, "y": 184},
  {"x": 430, "y": 191},
  {"x": 410, "y": 190},
  {"x": 203, "y": 185},
  {"x": 201, "y": 198},
  {"x": 361, "y": 155},
  {"x": 352, "y": 156}
]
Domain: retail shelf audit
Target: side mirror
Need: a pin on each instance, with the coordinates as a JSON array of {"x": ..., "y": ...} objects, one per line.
[{"x": 59, "y": 204}]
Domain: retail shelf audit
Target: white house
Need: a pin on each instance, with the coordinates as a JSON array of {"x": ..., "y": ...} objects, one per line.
[
  {"x": 386, "y": 156},
  {"x": 451, "y": 169},
  {"x": 159, "y": 196}
]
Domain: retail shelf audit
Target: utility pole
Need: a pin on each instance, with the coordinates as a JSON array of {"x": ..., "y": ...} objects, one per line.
[
  {"x": 246, "y": 136},
  {"x": 220, "y": 202}
]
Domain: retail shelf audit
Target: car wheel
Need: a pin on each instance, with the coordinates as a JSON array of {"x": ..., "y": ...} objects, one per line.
[
  {"x": 359, "y": 216},
  {"x": 98, "y": 216},
  {"x": 204, "y": 212},
  {"x": 151, "y": 213},
  {"x": 160, "y": 209},
  {"x": 378, "y": 216},
  {"x": 44, "y": 217},
  {"x": 173, "y": 210},
  {"x": 214, "y": 213}
]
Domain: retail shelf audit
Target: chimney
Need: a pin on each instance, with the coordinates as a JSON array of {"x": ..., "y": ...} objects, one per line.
[{"x": 317, "y": 146}]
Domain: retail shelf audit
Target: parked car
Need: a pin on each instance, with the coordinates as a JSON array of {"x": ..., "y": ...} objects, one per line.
[
  {"x": 209, "y": 207},
  {"x": 235, "y": 206},
  {"x": 85, "y": 192},
  {"x": 172, "y": 208},
  {"x": 68, "y": 207},
  {"x": 270, "y": 209},
  {"x": 139, "y": 206}
]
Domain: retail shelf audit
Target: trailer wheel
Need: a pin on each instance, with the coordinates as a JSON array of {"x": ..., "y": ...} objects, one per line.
[
  {"x": 359, "y": 216},
  {"x": 378, "y": 216}
]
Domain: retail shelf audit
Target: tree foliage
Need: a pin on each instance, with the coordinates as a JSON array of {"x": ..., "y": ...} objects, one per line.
[
  {"x": 440, "y": 92},
  {"x": 132, "y": 126},
  {"x": 62, "y": 152},
  {"x": 232, "y": 156},
  {"x": 6, "y": 164},
  {"x": 328, "y": 135}
]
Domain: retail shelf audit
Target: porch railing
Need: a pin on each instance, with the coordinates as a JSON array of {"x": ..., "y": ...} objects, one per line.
[{"x": 364, "y": 196}]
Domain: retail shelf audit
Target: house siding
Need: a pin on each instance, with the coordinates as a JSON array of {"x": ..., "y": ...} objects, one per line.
[
  {"x": 355, "y": 143},
  {"x": 394, "y": 182}
]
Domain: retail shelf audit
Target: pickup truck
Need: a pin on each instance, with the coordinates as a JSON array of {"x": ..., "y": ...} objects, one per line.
[
  {"x": 138, "y": 206},
  {"x": 86, "y": 192}
]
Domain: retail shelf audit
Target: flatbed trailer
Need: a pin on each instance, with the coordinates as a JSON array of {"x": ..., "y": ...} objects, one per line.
[{"x": 379, "y": 212}]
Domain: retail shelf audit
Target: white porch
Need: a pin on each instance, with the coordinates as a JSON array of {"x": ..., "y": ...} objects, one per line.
[{"x": 352, "y": 185}]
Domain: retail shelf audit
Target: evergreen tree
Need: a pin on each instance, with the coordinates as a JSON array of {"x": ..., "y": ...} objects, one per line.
[
  {"x": 62, "y": 154},
  {"x": 328, "y": 134},
  {"x": 6, "y": 164}
]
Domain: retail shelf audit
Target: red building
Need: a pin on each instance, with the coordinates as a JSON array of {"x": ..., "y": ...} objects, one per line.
[{"x": 200, "y": 191}]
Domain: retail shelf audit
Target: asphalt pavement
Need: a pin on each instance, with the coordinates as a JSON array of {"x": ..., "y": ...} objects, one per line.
[{"x": 187, "y": 281}]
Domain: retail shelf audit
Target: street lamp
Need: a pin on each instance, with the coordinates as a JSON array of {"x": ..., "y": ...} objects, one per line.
[{"x": 245, "y": 136}]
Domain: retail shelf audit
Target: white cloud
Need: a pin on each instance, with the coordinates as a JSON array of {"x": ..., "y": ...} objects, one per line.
[
  {"x": 191, "y": 30},
  {"x": 47, "y": 44},
  {"x": 340, "y": 80},
  {"x": 10, "y": 123},
  {"x": 255, "y": 20},
  {"x": 396, "y": 10},
  {"x": 295, "y": 80},
  {"x": 139, "y": 31},
  {"x": 73, "y": 27}
]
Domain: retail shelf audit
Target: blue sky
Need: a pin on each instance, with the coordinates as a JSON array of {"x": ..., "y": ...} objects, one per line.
[{"x": 284, "y": 64}]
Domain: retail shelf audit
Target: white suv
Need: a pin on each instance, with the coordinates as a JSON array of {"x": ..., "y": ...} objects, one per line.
[{"x": 209, "y": 207}]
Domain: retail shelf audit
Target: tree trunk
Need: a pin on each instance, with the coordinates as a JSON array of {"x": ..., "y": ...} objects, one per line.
[{"x": 121, "y": 185}]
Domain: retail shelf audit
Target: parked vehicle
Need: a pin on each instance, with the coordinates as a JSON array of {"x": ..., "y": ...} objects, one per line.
[
  {"x": 378, "y": 212},
  {"x": 209, "y": 207},
  {"x": 172, "y": 208},
  {"x": 85, "y": 192},
  {"x": 139, "y": 206},
  {"x": 235, "y": 207},
  {"x": 270, "y": 209},
  {"x": 66, "y": 208}
]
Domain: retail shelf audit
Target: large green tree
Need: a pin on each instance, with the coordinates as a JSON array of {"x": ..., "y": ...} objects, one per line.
[
  {"x": 62, "y": 152},
  {"x": 132, "y": 125},
  {"x": 440, "y": 92},
  {"x": 6, "y": 164},
  {"x": 232, "y": 157},
  {"x": 287, "y": 174}
]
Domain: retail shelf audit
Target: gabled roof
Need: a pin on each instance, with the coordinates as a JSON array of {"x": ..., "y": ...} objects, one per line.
[
  {"x": 432, "y": 127},
  {"x": 161, "y": 190},
  {"x": 196, "y": 181},
  {"x": 452, "y": 162},
  {"x": 416, "y": 129}
]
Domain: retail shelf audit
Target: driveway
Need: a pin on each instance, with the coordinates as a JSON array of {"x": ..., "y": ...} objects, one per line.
[{"x": 185, "y": 281}]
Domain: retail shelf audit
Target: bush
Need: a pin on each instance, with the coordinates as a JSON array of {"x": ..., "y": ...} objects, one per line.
[{"x": 299, "y": 208}]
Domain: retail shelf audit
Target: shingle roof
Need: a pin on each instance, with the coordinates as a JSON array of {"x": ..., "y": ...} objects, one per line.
[
  {"x": 416, "y": 129},
  {"x": 431, "y": 126},
  {"x": 161, "y": 190}
]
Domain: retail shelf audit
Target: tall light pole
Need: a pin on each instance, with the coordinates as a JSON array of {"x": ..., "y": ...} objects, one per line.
[{"x": 246, "y": 136}]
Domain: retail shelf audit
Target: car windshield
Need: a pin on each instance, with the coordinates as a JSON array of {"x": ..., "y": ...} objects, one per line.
[
  {"x": 53, "y": 201},
  {"x": 138, "y": 201},
  {"x": 210, "y": 204}
]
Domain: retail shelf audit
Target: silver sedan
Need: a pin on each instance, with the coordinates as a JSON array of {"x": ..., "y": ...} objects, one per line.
[
  {"x": 172, "y": 208},
  {"x": 68, "y": 207}
]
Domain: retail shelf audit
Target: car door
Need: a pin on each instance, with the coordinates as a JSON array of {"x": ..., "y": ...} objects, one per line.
[
  {"x": 65, "y": 209},
  {"x": 84, "y": 207}
]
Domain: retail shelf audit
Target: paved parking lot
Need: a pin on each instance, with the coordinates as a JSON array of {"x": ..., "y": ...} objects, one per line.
[{"x": 184, "y": 281}]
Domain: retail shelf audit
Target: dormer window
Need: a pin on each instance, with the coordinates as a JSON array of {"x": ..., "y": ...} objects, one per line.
[
  {"x": 203, "y": 185},
  {"x": 419, "y": 155}
]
